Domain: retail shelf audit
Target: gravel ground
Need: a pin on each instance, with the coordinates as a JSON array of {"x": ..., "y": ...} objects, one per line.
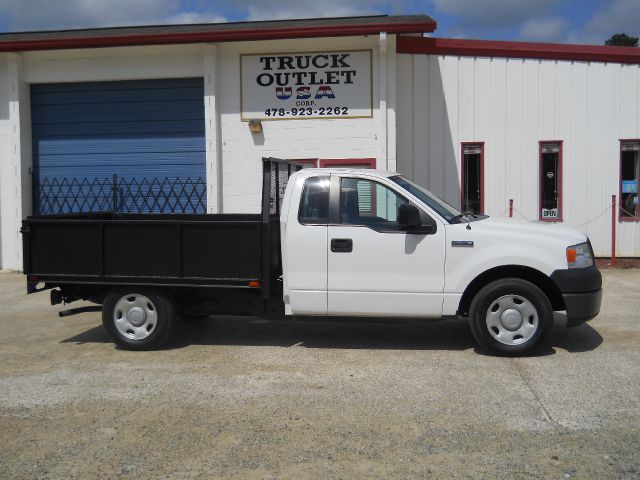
[{"x": 246, "y": 398}]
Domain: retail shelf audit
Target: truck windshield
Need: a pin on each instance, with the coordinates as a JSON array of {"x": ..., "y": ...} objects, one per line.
[{"x": 446, "y": 211}]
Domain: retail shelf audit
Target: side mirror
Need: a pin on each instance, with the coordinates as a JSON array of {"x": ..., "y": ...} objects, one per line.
[
  {"x": 413, "y": 221},
  {"x": 408, "y": 216}
]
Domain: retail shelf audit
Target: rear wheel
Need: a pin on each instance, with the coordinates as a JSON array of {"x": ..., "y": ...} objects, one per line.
[
  {"x": 138, "y": 319},
  {"x": 510, "y": 317}
]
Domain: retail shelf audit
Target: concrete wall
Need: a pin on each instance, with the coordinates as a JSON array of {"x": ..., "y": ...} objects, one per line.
[{"x": 511, "y": 105}]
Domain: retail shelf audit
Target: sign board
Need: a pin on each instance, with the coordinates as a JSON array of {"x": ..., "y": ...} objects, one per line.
[
  {"x": 629, "y": 186},
  {"x": 288, "y": 86},
  {"x": 550, "y": 147},
  {"x": 549, "y": 213},
  {"x": 472, "y": 149}
]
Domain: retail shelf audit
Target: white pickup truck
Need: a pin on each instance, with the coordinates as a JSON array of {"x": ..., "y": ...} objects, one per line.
[{"x": 329, "y": 243}]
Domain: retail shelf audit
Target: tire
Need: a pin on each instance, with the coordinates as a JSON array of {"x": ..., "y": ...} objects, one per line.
[
  {"x": 138, "y": 318},
  {"x": 510, "y": 317}
]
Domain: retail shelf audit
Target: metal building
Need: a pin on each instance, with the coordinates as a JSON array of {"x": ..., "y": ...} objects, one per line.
[{"x": 176, "y": 119}]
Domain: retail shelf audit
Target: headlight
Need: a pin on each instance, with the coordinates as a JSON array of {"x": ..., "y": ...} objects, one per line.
[{"x": 580, "y": 256}]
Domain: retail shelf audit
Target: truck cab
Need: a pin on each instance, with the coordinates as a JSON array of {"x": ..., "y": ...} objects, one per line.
[{"x": 372, "y": 243}]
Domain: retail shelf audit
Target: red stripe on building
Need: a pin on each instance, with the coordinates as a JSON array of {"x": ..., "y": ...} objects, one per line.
[{"x": 490, "y": 48}]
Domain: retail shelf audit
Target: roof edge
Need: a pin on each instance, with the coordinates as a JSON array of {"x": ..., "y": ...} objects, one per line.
[
  {"x": 491, "y": 48},
  {"x": 229, "y": 35}
]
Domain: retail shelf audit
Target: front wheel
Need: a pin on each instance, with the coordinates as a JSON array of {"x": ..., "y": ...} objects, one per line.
[
  {"x": 138, "y": 319},
  {"x": 510, "y": 317}
]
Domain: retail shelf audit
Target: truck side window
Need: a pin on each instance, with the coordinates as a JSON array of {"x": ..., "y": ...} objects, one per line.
[
  {"x": 314, "y": 204},
  {"x": 364, "y": 202}
]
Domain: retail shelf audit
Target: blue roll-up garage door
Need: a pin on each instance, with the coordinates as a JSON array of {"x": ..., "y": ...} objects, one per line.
[{"x": 126, "y": 146}]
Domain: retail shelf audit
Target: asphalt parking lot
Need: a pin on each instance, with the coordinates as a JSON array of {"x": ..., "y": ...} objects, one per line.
[{"x": 245, "y": 398}]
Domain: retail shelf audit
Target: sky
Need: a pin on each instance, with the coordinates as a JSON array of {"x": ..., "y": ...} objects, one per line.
[{"x": 559, "y": 21}]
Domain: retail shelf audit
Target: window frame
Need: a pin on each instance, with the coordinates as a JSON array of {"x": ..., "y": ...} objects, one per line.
[
  {"x": 336, "y": 215},
  {"x": 462, "y": 182},
  {"x": 336, "y": 162},
  {"x": 636, "y": 217},
  {"x": 560, "y": 216},
  {"x": 300, "y": 204},
  {"x": 311, "y": 162},
  {"x": 346, "y": 162}
]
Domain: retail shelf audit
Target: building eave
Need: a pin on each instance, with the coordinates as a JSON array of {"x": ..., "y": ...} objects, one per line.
[
  {"x": 544, "y": 51},
  {"x": 212, "y": 33}
]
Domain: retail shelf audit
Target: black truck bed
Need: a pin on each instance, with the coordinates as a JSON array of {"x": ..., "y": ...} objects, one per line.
[
  {"x": 113, "y": 249},
  {"x": 216, "y": 249}
]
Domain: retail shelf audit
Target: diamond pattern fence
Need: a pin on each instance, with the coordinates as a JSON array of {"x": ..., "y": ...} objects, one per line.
[{"x": 120, "y": 195}]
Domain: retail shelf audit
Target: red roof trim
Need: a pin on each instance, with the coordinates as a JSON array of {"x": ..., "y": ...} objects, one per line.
[
  {"x": 488, "y": 48},
  {"x": 217, "y": 36}
]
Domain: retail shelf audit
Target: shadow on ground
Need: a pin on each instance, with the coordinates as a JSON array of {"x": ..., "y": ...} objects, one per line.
[{"x": 374, "y": 334}]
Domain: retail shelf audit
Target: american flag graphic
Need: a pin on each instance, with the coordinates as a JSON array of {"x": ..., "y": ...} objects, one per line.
[{"x": 283, "y": 93}]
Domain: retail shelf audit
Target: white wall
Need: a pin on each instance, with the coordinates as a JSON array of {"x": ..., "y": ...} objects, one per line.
[
  {"x": 511, "y": 105},
  {"x": 118, "y": 63},
  {"x": 15, "y": 159},
  {"x": 4, "y": 152}
]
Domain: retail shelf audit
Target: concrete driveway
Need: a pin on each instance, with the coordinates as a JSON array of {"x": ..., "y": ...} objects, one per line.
[{"x": 243, "y": 398}]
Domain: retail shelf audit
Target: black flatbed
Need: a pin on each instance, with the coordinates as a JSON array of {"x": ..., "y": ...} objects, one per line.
[
  {"x": 239, "y": 251},
  {"x": 216, "y": 249}
]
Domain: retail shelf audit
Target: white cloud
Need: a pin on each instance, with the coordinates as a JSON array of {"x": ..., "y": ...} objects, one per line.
[
  {"x": 58, "y": 14},
  {"x": 492, "y": 13},
  {"x": 283, "y": 9},
  {"x": 194, "y": 17},
  {"x": 613, "y": 16},
  {"x": 553, "y": 29}
]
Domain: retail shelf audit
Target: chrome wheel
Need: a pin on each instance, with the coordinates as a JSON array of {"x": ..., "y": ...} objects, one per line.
[
  {"x": 512, "y": 319},
  {"x": 135, "y": 316}
]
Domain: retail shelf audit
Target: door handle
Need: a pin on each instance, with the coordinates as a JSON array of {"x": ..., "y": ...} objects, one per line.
[{"x": 344, "y": 245}]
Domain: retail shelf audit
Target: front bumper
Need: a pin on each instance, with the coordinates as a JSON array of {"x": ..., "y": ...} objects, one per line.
[
  {"x": 582, "y": 306},
  {"x": 581, "y": 290}
]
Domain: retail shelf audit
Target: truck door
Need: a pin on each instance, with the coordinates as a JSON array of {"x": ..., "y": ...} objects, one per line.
[
  {"x": 374, "y": 267},
  {"x": 305, "y": 248}
]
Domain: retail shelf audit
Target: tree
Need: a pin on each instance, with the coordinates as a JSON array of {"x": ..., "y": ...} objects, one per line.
[{"x": 622, "y": 40}]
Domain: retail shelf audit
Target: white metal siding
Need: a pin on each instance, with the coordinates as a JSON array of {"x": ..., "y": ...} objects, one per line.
[
  {"x": 4, "y": 154},
  {"x": 511, "y": 105}
]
